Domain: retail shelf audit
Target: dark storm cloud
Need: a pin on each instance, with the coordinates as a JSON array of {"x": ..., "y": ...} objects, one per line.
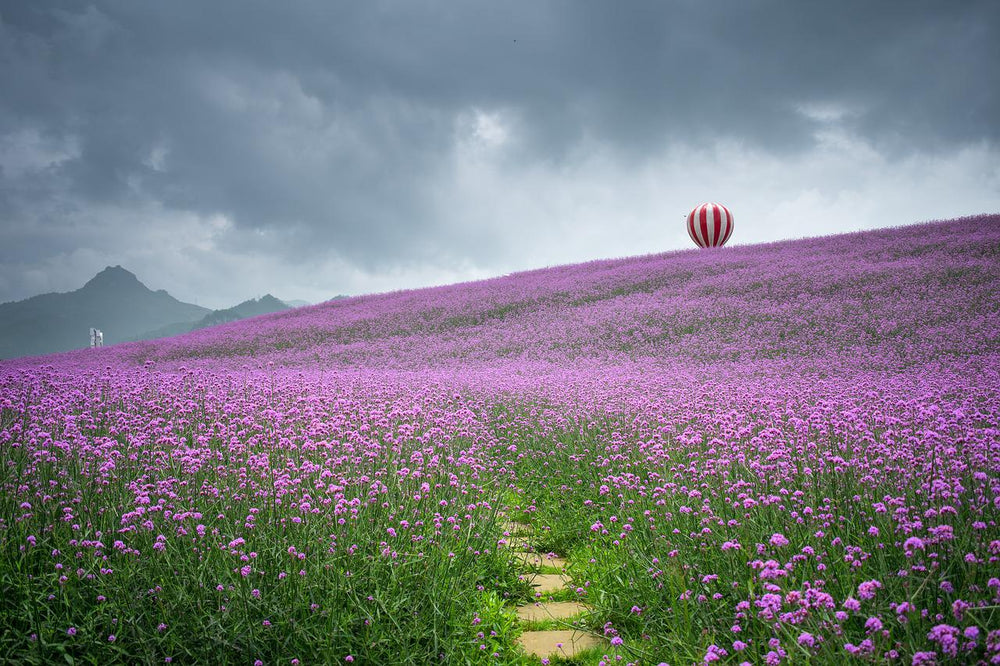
[{"x": 334, "y": 124}]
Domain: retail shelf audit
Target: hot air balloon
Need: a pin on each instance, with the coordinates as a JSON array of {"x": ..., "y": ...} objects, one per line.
[{"x": 710, "y": 225}]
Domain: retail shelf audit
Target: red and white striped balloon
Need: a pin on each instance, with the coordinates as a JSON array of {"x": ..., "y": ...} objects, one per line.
[{"x": 710, "y": 225}]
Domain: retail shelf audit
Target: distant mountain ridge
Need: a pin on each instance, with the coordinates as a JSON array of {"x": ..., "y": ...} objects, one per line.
[
  {"x": 266, "y": 304},
  {"x": 251, "y": 308},
  {"x": 114, "y": 301}
]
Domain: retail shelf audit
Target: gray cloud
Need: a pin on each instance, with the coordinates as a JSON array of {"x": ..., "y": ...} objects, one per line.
[{"x": 378, "y": 141}]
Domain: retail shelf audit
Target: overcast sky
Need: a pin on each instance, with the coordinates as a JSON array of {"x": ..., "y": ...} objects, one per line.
[{"x": 222, "y": 150}]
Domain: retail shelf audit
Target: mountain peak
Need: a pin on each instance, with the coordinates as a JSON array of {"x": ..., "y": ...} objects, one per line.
[
  {"x": 113, "y": 277},
  {"x": 114, "y": 301}
]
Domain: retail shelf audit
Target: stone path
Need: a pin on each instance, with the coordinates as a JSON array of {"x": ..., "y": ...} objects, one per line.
[
  {"x": 548, "y": 583},
  {"x": 554, "y": 610},
  {"x": 563, "y": 642}
]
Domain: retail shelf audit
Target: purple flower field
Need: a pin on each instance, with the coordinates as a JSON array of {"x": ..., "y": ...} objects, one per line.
[{"x": 784, "y": 453}]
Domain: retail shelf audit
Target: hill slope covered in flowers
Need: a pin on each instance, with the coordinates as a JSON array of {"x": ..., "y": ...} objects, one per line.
[
  {"x": 879, "y": 294},
  {"x": 782, "y": 453}
]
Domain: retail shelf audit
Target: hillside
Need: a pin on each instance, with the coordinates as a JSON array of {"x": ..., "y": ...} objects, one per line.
[
  {"x": 114, "y": 301},
  {"x": 781, "y": 453},
  {"x": 893, "y": 296}
]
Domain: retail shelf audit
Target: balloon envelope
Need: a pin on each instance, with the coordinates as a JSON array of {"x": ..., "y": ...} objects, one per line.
[{"x": 710, "y": 225}]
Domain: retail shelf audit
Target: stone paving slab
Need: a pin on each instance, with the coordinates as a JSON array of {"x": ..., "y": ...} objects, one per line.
[
  {"x": 517, "y": 543},
  {"x": 516, "y": 529},
  {"x": 556, "y": 610},
  {"x": 562, "y": 643},
  {"x": 548, "y": 583},
  {"x": 541, "y": 559}
]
